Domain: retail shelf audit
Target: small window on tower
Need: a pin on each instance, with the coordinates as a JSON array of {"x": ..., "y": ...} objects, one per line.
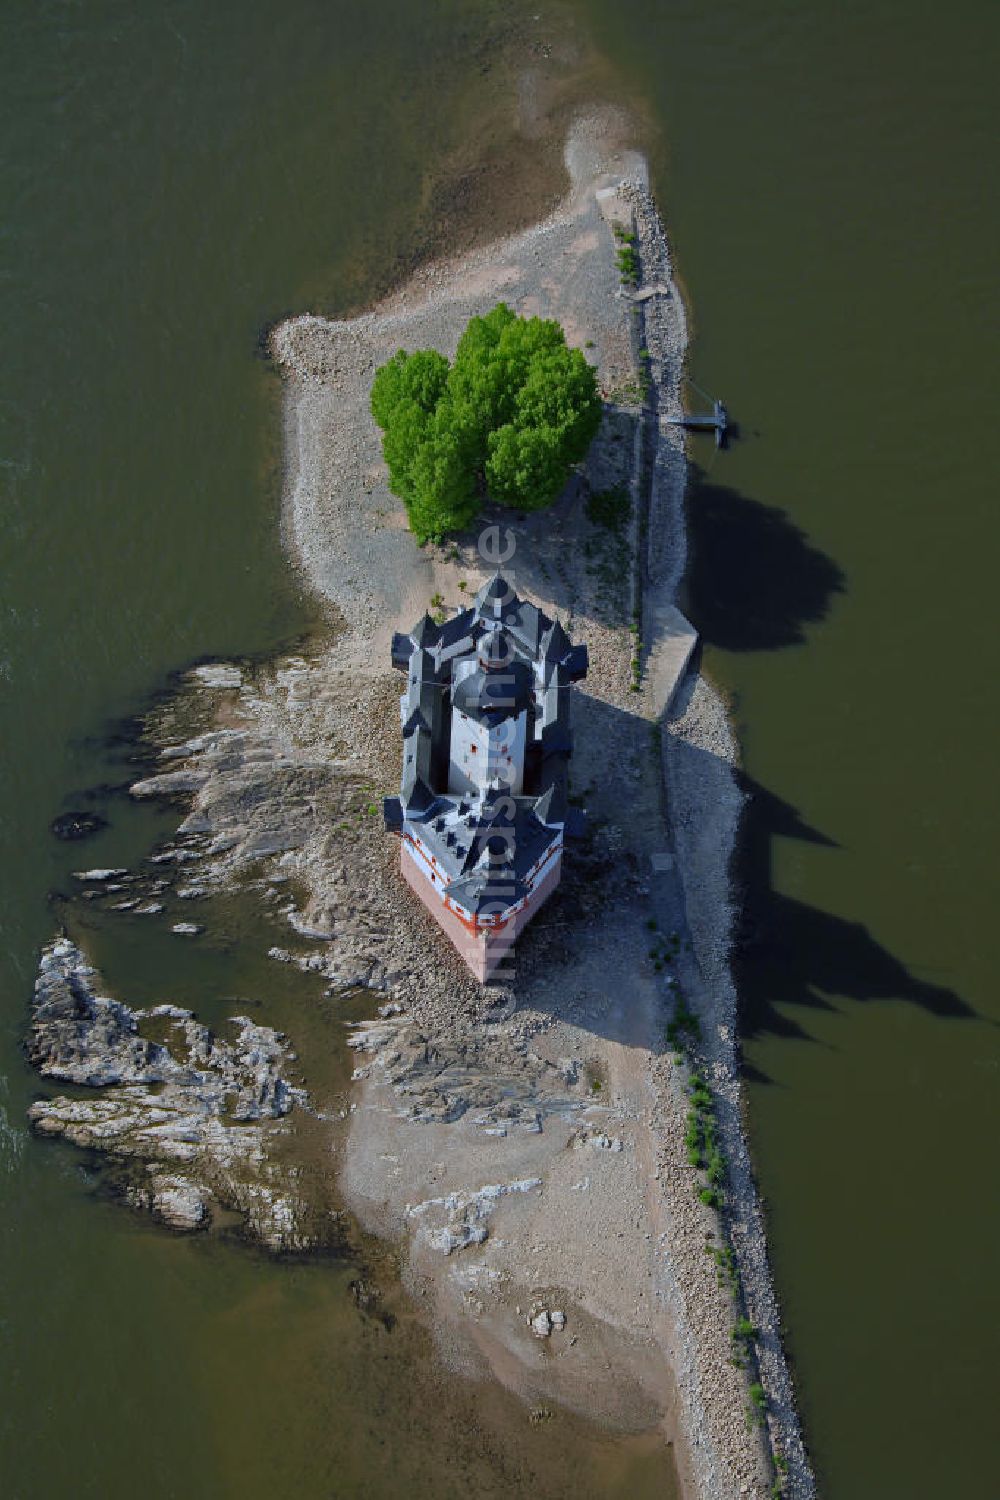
[{"x": 473, "y": 748}]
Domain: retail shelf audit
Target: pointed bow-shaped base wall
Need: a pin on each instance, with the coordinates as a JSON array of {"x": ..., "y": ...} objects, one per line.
[{"x": 483, "y": 950}]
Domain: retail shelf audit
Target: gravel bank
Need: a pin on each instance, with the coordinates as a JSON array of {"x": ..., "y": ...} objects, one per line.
[{"x": 595, "y": 1003}]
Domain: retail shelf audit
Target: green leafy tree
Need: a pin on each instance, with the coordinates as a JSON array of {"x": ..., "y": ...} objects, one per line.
[
  {"x": 507, "y": 419},
  {"x": 419, "y": 377}
]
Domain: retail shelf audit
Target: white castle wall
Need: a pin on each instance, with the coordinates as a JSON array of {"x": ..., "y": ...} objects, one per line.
[{"x": 478, "y": 754}]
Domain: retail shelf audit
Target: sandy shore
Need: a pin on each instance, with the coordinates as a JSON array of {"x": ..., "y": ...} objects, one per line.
[{"x": 528, "y": 1144}]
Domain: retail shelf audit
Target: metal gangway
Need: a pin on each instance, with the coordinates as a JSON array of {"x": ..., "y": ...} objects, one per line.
[{"x": 716, "y": 420}]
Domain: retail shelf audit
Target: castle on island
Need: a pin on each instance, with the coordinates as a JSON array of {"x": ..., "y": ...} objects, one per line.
[{"x": 483, "y": 812}]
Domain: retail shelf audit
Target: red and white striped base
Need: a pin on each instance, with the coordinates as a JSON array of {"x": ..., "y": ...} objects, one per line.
[{"x": 483, "y": 948}]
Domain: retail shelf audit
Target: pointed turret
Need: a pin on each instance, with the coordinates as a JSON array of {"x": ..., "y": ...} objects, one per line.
[
  {"x": 555, "y": 645},
  {"x": 494, "y": 595}
]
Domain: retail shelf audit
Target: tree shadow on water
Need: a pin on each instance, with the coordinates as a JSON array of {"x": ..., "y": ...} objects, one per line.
[{"x": 754, "y": 580}]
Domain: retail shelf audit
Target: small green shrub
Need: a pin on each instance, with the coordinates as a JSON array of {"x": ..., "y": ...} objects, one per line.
[
  {"x": 628, "y": 265},
  {"x": 609, "y": 508},
  {"x": 684, "y": 1028}
]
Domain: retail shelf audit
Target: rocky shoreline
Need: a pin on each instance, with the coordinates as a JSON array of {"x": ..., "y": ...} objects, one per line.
[
  {"x": 525, "y": 1143},
  {"x": 189, "y": 1114}
]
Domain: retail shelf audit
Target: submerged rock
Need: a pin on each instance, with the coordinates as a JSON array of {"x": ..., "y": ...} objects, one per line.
[{"x": 77, "y": 825}]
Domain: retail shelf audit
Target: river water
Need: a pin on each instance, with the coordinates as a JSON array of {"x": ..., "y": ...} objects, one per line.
[
  {"x": 176, "y": 176},
  {"x": 825, "y": 171}
]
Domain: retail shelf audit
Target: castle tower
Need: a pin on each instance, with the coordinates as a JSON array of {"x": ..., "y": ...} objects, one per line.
[{"x": 482, "y": 813}]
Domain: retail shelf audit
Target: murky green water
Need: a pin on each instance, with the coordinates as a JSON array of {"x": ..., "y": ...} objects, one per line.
[
  {"x": 827, "y": 175},
  {"x": 174, "y": 177}
]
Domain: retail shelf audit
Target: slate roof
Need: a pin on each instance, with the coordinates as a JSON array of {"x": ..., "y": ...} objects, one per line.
[
  {"x": 485, "y": 844},
  {"x": 494, "y": 695}
]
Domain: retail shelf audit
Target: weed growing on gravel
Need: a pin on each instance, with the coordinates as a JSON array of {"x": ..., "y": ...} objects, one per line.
[
  {"x": 607, "y": 548},
  {"x": 610, "y": 508},
  {"x": 704, "y": 1152},
  {"x": 627, "y": 261},
  {"x": 636, "y": 654},
  {"x": 725, "y": 1265},
  {"x": 683, "y": 1030},
  {"x": 715, "y": 1169},
  {"x": 743, "y": 1335},
  {"x": 701, "y": 1140}
]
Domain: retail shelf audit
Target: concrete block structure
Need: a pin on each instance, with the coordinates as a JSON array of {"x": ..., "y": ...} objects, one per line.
[{"x": 482, "y": 813}]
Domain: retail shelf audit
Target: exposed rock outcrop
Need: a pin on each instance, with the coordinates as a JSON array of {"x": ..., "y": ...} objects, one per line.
[{"x": 194, "y": 1119}]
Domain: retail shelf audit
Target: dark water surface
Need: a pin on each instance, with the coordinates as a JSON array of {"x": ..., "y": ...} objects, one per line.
[
  {"x": 175, "y": 176},
  {"x": 828, "y": 178}
]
